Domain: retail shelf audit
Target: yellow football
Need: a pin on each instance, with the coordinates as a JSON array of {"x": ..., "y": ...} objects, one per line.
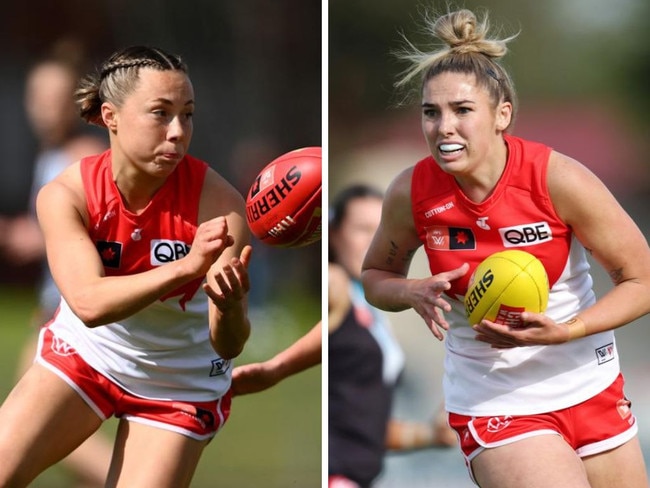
[{"x": 505, "y": 284}]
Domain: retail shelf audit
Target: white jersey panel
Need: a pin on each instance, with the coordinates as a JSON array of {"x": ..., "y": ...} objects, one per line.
[
  {"x": 482, "y": 381},
  {"x": 160, "y": 353}
]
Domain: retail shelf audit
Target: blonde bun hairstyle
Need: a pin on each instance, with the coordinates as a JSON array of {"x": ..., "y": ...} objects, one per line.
[{"x": 466, "y": 49}]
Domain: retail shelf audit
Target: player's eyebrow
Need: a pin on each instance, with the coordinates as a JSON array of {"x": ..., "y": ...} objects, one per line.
[
  {"x": 453, "y": 103},
  {"x": 166, "y": 101}
]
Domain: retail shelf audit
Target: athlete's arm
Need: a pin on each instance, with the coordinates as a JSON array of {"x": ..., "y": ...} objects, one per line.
[
  {"x": 299, "y": 356},
  {"x": 386, "y": 265},
  {"x": 389, "y": 256},
  {"x": 77, "y": 268},
  {"x": 227, "y": 280},
  {"x": 611, "y": 236}
]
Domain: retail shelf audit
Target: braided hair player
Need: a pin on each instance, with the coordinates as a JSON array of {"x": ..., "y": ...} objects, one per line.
[{"x": 149, "y": 248}]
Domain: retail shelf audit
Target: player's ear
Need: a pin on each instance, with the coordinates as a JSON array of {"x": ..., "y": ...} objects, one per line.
[
  {"x": 109, "y": 116},
  {"x": 503, "y": 116}
]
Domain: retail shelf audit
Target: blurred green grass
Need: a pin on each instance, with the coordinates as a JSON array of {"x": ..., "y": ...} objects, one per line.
[{"x": 272, "y": 439}]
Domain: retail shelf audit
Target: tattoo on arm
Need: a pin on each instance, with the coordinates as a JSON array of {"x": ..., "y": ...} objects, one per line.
[{"x": 392, "y": 253}]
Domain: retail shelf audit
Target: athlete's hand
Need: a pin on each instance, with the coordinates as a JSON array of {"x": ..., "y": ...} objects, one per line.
[
  {"x": 254, "y": 377},
  {"x": 427, "y": 297},
  {"x": 210, "y": 240},
  {"x": 535, "y": 329},
  {"x": 232, "y": 281}
]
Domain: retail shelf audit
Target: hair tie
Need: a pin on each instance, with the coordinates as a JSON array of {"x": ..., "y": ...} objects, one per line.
[{"x": 492, "y": 74}]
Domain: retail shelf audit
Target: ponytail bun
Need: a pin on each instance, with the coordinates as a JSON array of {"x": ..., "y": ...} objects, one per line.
[
  {"x": 463, "y": 33},
  {"x": 464, "y": 47}
]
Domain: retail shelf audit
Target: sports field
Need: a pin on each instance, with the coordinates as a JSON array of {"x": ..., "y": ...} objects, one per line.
[{"x": 273, "y": 438}]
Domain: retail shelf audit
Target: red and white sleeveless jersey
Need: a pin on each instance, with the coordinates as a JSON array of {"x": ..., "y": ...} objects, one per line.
[
  {"x": 162, "y": 351},
  {"x": 519, "y": 214}
]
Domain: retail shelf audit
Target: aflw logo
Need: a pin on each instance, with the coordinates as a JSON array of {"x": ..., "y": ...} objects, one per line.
[
  {"x": 165, "y": 251},
  {"x": 220, "y": 366},
  {"x": 444, "y": 238},
  {"x": 605, "y": 353}
]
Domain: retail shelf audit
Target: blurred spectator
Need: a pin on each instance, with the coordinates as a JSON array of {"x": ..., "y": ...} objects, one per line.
[
  {"x": 365, "y": 360},
  {"x": 53, "y": 117}
]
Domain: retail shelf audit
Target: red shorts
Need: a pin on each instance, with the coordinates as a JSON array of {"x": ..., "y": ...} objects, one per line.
[
  {"x": 198, "y": 420},
  {"x": 599, "y": 424}
]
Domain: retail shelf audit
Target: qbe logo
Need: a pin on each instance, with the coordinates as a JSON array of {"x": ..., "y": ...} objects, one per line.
[
  {"x": 165, "y": 251},
  {"x": 526, "y": 234}
]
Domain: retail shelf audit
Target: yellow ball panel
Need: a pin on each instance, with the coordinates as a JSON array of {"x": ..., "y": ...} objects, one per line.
[{"x": 504, "y": 285}]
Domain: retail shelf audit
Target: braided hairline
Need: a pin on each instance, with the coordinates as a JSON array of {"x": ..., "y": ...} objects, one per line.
[
  {"x": 118, "y": 76},
  {"x": 111, "y": 67},
  {"x": 153, "y": 57}
]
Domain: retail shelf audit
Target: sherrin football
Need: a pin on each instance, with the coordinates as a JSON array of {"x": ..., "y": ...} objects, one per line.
[
  {"x": 504, "y": 285},
  {"x": 283, "y": 205}
]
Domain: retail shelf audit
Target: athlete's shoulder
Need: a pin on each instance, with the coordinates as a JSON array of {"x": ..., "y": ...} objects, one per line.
[
  {"x": 570, "y": 182},
  {"x": 217, "y": 184},
  {"x": 69, "y": 179},
  {"x": 66, "y": 190},
  {"x": 219, "y": 197},
  {"x": 526, "y": 148},
  {"x": 401, "y": 184}
]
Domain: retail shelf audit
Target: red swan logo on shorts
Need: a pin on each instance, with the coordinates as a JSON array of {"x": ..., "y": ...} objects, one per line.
[
  {"x": 495, "y": 424},
  {"x": 62, "y": 348}
]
